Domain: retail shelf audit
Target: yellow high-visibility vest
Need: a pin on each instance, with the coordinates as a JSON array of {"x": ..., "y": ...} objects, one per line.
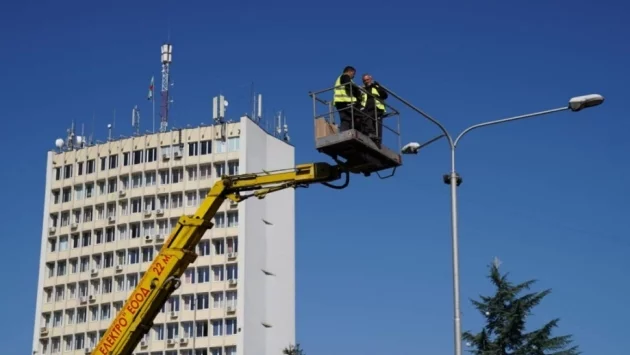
[
  {"x": 340, "y": 92},
  {"x": 379, "y": 104}
]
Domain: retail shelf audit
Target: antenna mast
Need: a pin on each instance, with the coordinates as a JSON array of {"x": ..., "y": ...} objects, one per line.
[
  {"x": 135, "y": 119},
  {"x": 167, "y": 58}
]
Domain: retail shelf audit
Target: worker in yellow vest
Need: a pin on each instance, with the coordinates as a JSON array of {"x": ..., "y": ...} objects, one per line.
[
  {"x": 373, "y": 106},
  {"x": 347, "y": 98}
]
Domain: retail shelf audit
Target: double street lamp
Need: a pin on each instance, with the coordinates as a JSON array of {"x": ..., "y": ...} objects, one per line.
[{"x": 575, "y": 104}]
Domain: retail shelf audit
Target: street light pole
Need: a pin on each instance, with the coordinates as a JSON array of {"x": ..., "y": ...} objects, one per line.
[{"x": 453, "y": 179}]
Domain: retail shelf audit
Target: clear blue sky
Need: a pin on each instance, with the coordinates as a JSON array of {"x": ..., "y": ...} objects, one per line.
[{"x": 547, "y": 196}]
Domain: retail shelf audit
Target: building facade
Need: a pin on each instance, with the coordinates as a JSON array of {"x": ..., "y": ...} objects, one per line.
[{"x": 109, "y": 207}]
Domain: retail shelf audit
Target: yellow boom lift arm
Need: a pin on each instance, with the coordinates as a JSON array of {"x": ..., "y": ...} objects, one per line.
[{"x": 162, "y": 278}]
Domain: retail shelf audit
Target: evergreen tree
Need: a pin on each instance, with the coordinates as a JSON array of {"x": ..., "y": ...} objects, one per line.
[
  {"x": 506, "y": 312},
  {"x": 293, "y": 350}
]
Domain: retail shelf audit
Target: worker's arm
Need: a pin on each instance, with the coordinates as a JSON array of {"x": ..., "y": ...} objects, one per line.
[
  {"x": 351, "y": 88},
  {"x": 381, "y": 92},
  {"x": 162, "y": 278}
]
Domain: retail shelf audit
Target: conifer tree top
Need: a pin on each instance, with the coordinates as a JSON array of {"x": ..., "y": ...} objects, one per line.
[{"x": 505, "y": 313}]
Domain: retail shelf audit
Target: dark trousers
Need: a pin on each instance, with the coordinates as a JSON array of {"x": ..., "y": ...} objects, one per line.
[
  {"x": 347, "y": 111},
  {"x": 374, "y": 122}
]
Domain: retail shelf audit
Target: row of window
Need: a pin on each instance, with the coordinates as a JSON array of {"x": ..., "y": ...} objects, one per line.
[
  {"x": 192, "y": 275},
  {"x": 160, "y": 332},
  {"x": 216, "y": 246},
  {"x": 86, "y": 215},
  {"x": 162, "y": 177},
  {"x": 159, "y": 228},
  {"x": 148, "y": 155},
  {"x": 106, "y": 311}
]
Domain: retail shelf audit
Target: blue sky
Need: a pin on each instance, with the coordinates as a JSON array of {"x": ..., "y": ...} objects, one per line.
[{"x": 547, "y": 196}]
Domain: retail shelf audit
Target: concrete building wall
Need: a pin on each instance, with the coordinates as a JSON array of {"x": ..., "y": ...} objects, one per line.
[
  {"x": 103, "y": 227},
  {"x": 269, "y": 290}
]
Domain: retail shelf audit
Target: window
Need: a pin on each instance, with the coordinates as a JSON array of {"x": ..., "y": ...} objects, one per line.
[
  {"x": 89, "y": 190},
  {"x": 230, "y": 297},
  {"x": 80, "y": 168},
  {"x": 221, "y": 146},
  {"x": 176, "y": 200},
  {"x": 133, "y": 256},
  {"x": 177, "y": 175},
  {"x": 188, "y": 329},
  {"x": 149, "y": 203},
  {"x": 218, "y": 246},
  {"x": 55, "y": 196},
  {"x": 232, "y": 271},
  {"x": 191, "y": 173},
  {"x": 66, "y": 195},
  {"x": 232, "y": 244},
  {"x": 149, "y": 178},
  {"x": 202, "y": 301},
  {"x": 136, "y": 180},
  {"x": 158, "y": 332},
  {"x": 203, "y": 274},
  {"x": 172, "y": 330},
  {"x": 147, "y": 254},
  {"x": 232, "y": 219},
  {"x": 164, "y": 177},
  {"x": 150, "y": 155},
  {"x": 137, "y": 157},
  {"x": 67, "y": 171},
  {"x": 111, "y": 185},
  {"x": 57, "y": 173},
  {"x": 78, "y": 192},
  {"x": 202, "y": 328},
  {"x": 124, "y": 182},
  {"x": 125, "y": 158},
  {"x": 217, "y": 299},
  {"x": 233, "y": 167},
  {"x": 230, "y": 326},
  {"x": 193, "y": 149},
  {"x": 136, "y": 205},
  {"x": 113, "y": 161},
  {"x": 217, "y": 327},
  {"x": 103, "y": 163},
  {"x": 203, "y": 248},
  {"x": 219, "y": 220},
  {"x": 191, "y": 199},
  {"x": 217, "y": 273},
  {"x": 219, "y": 169},
  {"x": 204, "y": 171},
  {"x": 89, "y": 167},
  {"x": 101, "y": 187},
  {"x": 206, "y": 147},
  {"x": 234, "y": 144}
]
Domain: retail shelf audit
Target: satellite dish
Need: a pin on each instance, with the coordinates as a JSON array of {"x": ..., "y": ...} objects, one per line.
[
  {"x": 225, "y": 103},
  {"x": 59, "y": 142},
  {"x": 79, "y": 139}
]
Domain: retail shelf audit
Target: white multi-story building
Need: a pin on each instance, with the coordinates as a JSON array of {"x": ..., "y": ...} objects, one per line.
[{"x": 108, "y": 208}]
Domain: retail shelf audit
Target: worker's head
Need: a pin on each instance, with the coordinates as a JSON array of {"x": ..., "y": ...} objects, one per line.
[
  {"x": 350, "y": 71},
  {"x": 367, "y": 79}
]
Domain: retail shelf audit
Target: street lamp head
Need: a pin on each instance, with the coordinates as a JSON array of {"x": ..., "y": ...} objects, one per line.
[
  {"x": 580, "y": 102},
  {"x": 411, "y": 148}
]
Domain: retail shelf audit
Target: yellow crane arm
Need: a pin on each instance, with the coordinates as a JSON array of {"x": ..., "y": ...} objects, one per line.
[{"x": 162, "y": 278}]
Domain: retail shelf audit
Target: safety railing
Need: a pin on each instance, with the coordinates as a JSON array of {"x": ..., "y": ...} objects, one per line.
[{"x": 372, "y": 122}]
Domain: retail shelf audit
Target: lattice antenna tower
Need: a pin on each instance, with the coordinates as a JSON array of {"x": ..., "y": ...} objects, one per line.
[{"x": 167, "y": 59}]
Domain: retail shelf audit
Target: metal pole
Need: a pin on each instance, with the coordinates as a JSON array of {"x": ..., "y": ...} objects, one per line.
[{"x": 454, "y": 181}]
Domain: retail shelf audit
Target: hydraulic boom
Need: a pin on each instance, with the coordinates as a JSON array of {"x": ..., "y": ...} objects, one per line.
[{"x": 162, "y": 278}]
